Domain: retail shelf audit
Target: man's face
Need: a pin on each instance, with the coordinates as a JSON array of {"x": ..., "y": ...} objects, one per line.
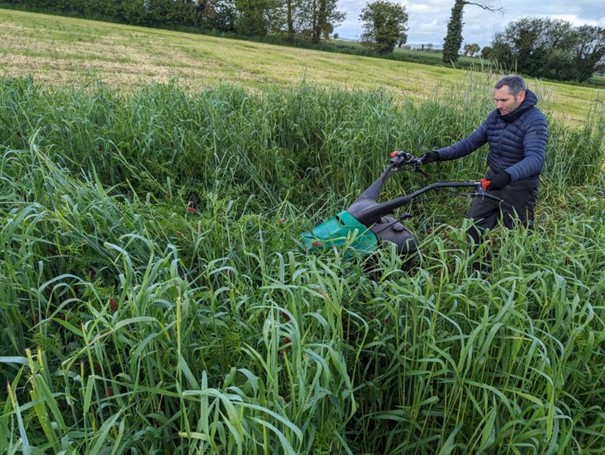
[{"x": 505, "y": 101}]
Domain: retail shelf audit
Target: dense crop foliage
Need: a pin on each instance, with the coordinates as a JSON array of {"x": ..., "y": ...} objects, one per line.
[{"x": 132, "y": 324}]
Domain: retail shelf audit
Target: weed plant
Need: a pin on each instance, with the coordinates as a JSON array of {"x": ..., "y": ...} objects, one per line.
[{"x": 154, "y": 299}]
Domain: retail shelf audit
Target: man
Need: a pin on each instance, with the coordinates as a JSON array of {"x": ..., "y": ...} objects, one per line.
[{"x": 516, "y": 132}]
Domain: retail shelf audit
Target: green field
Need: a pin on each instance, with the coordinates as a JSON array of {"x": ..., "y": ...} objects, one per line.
[
  {"x": 64, "y": 51},
  {"x": 134, "y": 324}
]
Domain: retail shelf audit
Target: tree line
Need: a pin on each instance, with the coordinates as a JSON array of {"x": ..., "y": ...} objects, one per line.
[
  {"x": 310, "y": 20},
  {"x": 550, "y": 48},
  {"x": 537, "y": 47}
]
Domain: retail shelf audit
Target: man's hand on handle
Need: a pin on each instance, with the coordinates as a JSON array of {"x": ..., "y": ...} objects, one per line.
[
  {"x": 499, "y": 181},
  {"x": 429, "y": 157}
]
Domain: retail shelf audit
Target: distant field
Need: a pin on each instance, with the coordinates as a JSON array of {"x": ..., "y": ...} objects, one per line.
[
  {"x": 60, "y": 50},
  {"x": 415, "y": 54},
  {"x": 66, "y": 51}
]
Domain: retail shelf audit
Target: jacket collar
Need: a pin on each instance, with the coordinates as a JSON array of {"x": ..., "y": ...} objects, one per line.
[{"x": 529, "y": 102}]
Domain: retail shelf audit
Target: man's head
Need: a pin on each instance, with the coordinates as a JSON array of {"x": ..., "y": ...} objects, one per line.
[{"x": 509, "y": 93}]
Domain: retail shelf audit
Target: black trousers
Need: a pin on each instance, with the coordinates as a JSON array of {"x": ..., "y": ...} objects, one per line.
[{"x": 518, "y": 201}]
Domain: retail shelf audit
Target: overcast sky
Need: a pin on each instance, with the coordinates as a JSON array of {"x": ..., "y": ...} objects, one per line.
[{"x": 428, "y": 18}]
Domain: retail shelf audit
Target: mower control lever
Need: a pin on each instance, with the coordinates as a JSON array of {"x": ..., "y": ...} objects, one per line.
[
  {"x": 400, "y": 158},
  {"x": 481, "y": 192}
]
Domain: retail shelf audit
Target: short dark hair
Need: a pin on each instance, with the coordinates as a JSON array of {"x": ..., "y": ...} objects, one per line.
[{"x": 515, "y": 84}]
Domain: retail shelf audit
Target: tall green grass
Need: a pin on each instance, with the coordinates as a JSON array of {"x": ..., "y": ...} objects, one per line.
[{"x": 133, "y": 325}]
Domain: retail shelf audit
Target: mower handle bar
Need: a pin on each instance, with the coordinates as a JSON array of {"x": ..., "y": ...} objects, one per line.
[
  {"x": 368, "y": 214},
  {"x": 401, "y": 159},
  {"x": 368, "y": 211}
]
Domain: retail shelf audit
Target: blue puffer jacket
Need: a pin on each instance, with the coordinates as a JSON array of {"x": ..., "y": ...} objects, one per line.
[{"x": 517, "y": 141}]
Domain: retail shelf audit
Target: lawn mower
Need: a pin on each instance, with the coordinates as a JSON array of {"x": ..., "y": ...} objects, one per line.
[{"x": 367, "y": 225}]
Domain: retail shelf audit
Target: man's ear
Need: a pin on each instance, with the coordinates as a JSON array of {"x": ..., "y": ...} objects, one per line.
[{"x": 521, "y": 96}]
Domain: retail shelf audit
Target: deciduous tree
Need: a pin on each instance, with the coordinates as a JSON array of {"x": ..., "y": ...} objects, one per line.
[
  {"x": 316, "y": 17},
  {"x": 589, "y": 51},
  {"x": 384, "y": 25},
  {"x": 252, "y": 17},
  {"x": 550, "y": 48},
  {"x": 471, "y": 49}
]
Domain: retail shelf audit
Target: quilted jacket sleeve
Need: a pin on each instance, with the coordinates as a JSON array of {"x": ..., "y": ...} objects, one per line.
[
  {"x": 467, "y": 145},
  {"x": 534, "y": 148}
]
